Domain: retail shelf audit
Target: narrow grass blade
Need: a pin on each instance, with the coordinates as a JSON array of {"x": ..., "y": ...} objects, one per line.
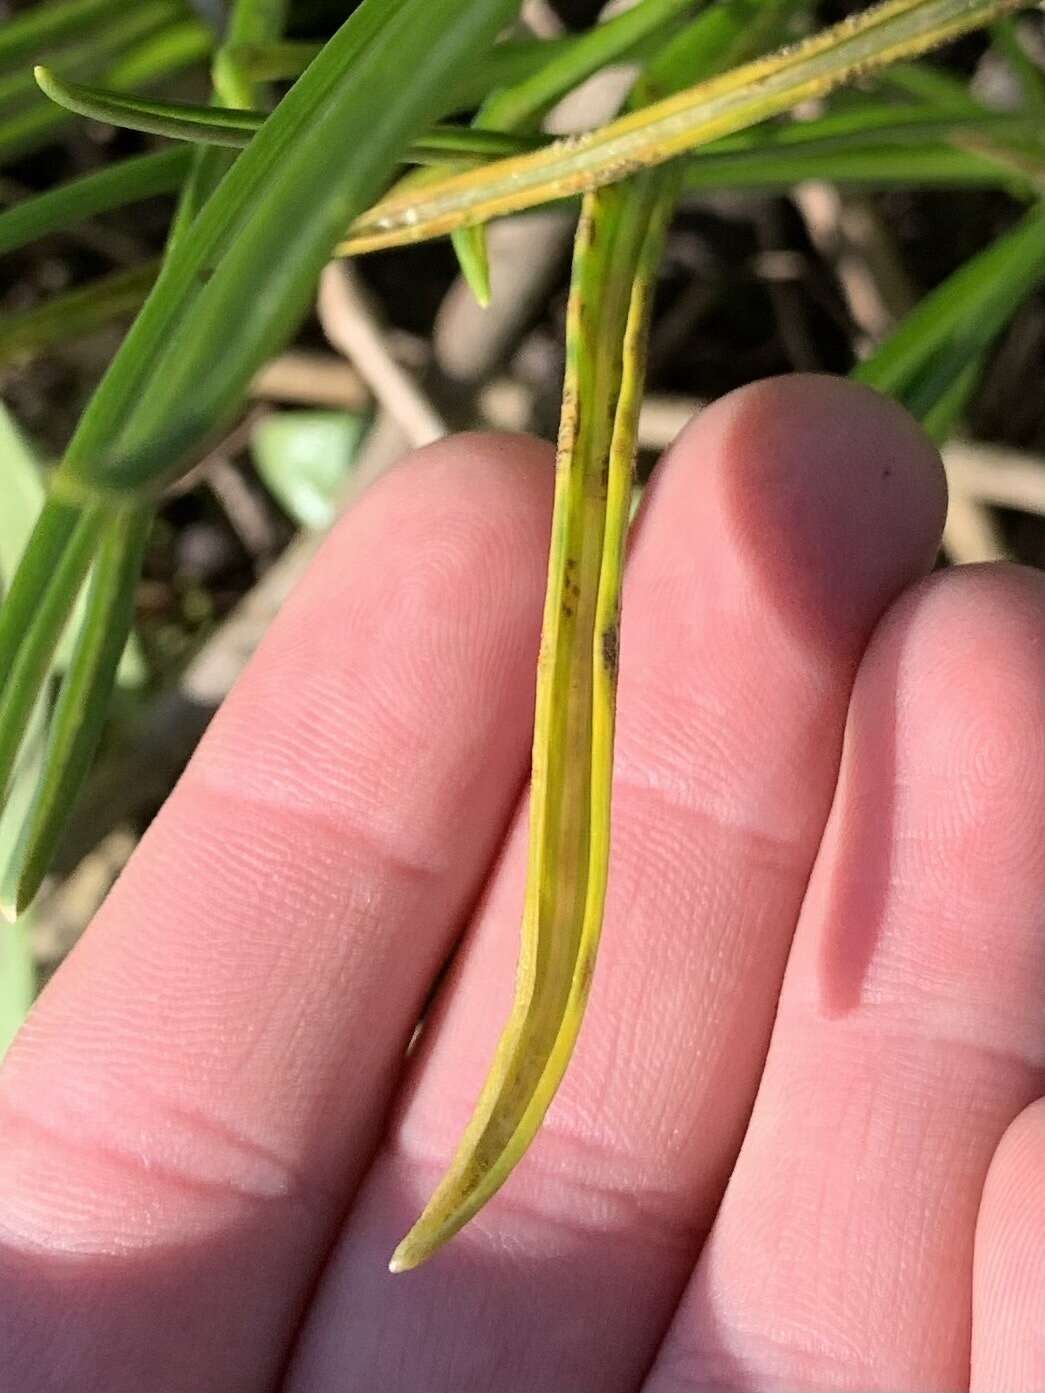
[
  {"x": 45, "y": 602},
  {"x": 619, "y": 240},
  {"x": 97, "y": 50},
  {"x": 720, "y": 37},
  {"x": 906, "y": 124},
  {"x": 114, "y": 186},
  {"x": 469, "y": 244},
  {"x": 23, "y": 495},
  {"x": 940, "y": 419},
  {"x": 231, "y": 287},
  {"x": 867, "y": 164},
  {"x": 259, "y": 242},
  {"x": 934, "y": 85},
  {"x": 934, "y": 358},
  {"x": 79, "y": 716},
  {"x": 273, "y": 62},
  {"x": 506, "y": 64},
  {"x": 889, "y": 145},
  {"x": 521, "y": 106},
  {"x": 117, "y": 533},
  {"x": 249, "y": 20},
  {"x": 51, "y": 534},
  {"x": 75, "y": 313},
  {"x": 44, "y": 26},
  {"x": 618, "y": 247},
  {"x": 737, "y": 99},
  {"x": 23, "y": 498},
  {"x": 159, "y": 55},
  {"x": 228, "y": 126},
  {"x": 1006, "y": 38},
  {"x": 17, "y": 981},
  {"x": 179, "y": 120},
  {"x": 17, "y": 966},
  {"x": 955, "y": 322}
]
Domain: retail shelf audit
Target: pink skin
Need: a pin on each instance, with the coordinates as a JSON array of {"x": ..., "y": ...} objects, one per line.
[{"x": 752, "y": 1178}]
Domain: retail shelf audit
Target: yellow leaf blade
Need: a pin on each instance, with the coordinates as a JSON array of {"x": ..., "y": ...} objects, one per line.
[
  {"x": 618, "y": 244},
  {"x": 733, "y": 101}
]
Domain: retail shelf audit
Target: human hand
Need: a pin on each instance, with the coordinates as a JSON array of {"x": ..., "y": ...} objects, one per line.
[{"x": 209, "y": 1140}]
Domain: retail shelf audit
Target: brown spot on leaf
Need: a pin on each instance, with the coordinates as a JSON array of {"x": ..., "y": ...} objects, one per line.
[
  {"x": 610, "y": 650},
  {"x": 585, "y": 972}
]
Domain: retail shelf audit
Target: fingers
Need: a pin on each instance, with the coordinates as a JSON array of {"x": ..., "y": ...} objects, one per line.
[
  {"x": 198, "y": 1091},
  {"x": 908, "y": 1033},
  {"x": 1009, "y": 1269},
  {"x": 781, "y": 525}
]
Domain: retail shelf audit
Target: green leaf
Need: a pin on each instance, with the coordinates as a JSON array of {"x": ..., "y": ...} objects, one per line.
[
  {"x": 259, "y": 243},
  {"x": 17, "y": 974},
  {"x": 733, "y": 101},
  {"x": 951, "y": 327},
  {"x": 231, "y": 289},
  {"x": 83, "y": 702},
  {"x": 619, "y": 240},
  {"x": 22, "y": 489},
  {"x": 23, "y": 493},
  {"x": 43, "y": 26},
  {"x": 617, "y": 250},
  {"x": 17, "y": 968},
  {"x": 233, "y": 127},
  {"x": 868, "y": 142},
  {"x": 272, "y": 62},
  {"x": 305, "y": 459},
  {"x": 158, "y": 55},
  {"x": 180, "y": 120},
  {"x": 504, "y": 65},
  {"x": 91, "y": 54},
  {"x": 75, "y": 313},
  {"x": 113, "y": 186},
  {"x": 723, "y": 35},
  {"x": 933, "y": 85},
  {"x": 1006, "y": 39},
  {"x": 521, "y": 106},
  {"x": 67, "y": 538},
  {"x": 866, "y": 164},
  {"x": 255, "y": 20},
  {"x": 251, "y": 22},
  {"x": 910, "y": 123},
  {"x": 941, "y": 417}
]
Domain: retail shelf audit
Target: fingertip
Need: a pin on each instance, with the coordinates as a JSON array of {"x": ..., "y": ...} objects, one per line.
[
  {"x": 1017, "y": 1166},
  {"x": 832, "y": 495},
  {"x": 1009, "y": 1284},
  {"x": 191, "y": 1090},
  {"x": 488, "y": 457},
  {"x": 943, "y": 744}
]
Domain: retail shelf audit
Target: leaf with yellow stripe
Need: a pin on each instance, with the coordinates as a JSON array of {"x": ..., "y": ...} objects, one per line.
[{"x": 618, "y": 246}]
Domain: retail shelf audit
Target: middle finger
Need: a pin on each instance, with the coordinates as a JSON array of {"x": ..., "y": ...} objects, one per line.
[{"x": 781, "y": 526}]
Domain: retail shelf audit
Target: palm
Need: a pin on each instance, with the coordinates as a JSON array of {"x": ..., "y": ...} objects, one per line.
[{"x": 210, "y": 1145}]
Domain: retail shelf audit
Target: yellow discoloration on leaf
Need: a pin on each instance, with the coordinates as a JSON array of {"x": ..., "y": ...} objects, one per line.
[
  {"x": 733, "y": 101},
  {"x": 618, "y": 245}
]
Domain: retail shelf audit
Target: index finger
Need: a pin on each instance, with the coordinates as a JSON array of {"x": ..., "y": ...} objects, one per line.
[{"x": 194, "y": 1098}]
